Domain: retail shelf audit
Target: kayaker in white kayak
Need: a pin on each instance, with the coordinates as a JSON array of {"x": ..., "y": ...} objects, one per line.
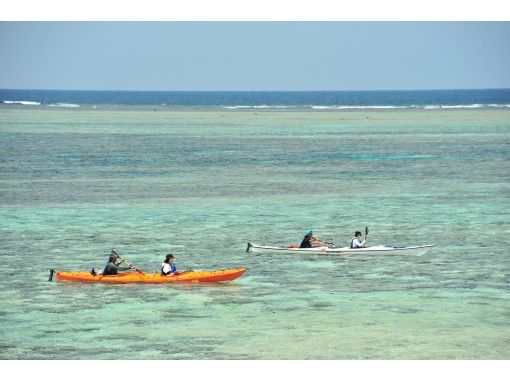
[
  {"x": 168, "y": 267},
  {"x": 356, "y": 241},
  {"x": 309, "y": 241}
]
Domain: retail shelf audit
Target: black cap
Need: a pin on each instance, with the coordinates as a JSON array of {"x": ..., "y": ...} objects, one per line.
[{"x": 169, "y": 256}]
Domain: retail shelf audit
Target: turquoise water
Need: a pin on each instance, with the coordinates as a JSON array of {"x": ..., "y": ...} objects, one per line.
[{"x": 201, "y": 184}]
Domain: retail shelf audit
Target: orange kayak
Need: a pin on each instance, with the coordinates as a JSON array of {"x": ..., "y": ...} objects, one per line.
[{"x": 154, "y": 278}]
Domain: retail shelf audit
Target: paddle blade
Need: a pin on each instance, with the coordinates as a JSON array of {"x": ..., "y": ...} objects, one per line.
[{"x": 366, "y": 231}]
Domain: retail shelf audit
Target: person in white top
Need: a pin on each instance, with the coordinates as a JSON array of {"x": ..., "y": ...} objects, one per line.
[
  {"x": 168, "y": 267},
  {"x": 356, "y": 241}
]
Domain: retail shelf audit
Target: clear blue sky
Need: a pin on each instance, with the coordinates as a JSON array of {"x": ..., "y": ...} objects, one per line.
[{"x": 254, "y": 56}]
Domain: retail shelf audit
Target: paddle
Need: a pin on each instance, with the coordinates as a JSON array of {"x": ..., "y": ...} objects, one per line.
[
  {"x": 326, "y": 242},
  {"x": 187, "y": 270},
  {"x": 122, "y": 260}
]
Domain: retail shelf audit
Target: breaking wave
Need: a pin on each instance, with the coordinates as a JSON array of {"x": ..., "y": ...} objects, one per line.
[
  {"x": 22, "y": 102},
  {"x": 369, "y": 107},
  {"x": 64, "y": 105}
]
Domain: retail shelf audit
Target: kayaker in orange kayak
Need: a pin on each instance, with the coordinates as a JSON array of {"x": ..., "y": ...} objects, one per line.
[
  {"x": 112, "y": 266},
  {"x": 168, "y": 267}
]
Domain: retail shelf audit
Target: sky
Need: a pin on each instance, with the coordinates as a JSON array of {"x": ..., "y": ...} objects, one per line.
[{"x": 262, "y": 56}]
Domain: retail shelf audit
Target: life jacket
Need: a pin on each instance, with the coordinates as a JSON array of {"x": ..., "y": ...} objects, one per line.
[
  {"x": 173, "y": 269},
  {"x": 352, "y": 243}
]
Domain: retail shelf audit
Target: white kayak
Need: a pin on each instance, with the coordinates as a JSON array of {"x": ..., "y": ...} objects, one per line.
[{"x": 375, "y": 250}]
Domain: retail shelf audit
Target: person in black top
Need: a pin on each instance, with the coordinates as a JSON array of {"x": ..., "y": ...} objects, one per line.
[
  {"x": 307, "y": 240},
  {"x": 113, "y": 267}
]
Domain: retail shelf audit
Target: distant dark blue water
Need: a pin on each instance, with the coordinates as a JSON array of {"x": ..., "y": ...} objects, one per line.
[{"x": 265, "y": 99}]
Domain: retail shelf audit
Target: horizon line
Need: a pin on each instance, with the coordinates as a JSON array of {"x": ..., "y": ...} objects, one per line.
[{"x": 209, "y": 90}]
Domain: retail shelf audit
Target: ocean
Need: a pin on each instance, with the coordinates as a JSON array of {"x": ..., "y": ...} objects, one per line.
[
  {"x": 201, "y": 174},
  {"x": 428, "y": 99}
]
